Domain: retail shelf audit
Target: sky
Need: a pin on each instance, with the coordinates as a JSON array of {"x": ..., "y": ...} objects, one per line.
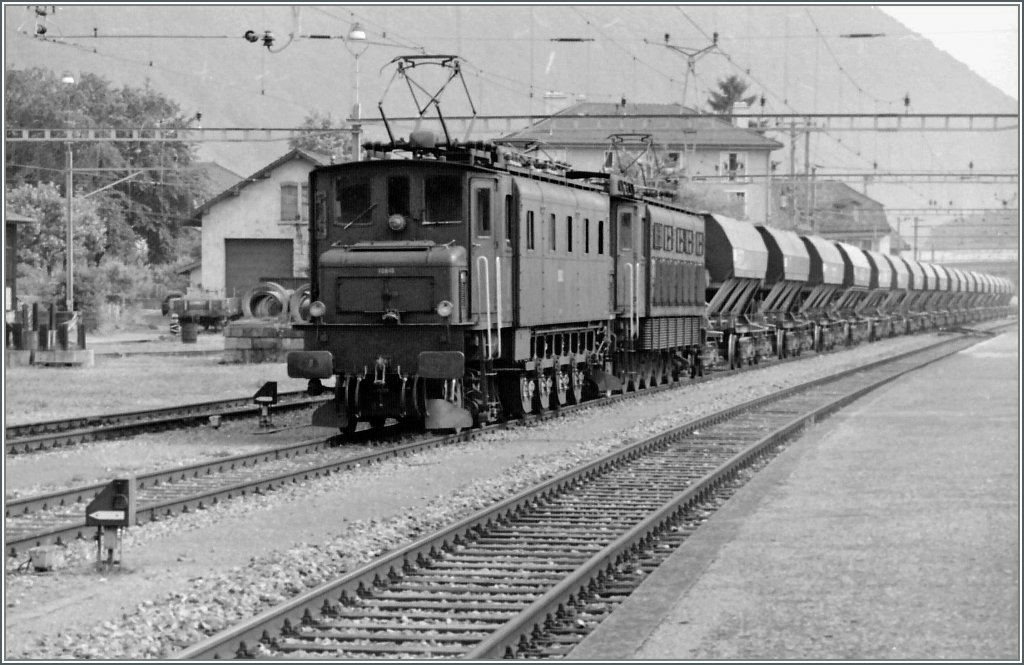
[{"x": 984, "y": 37}]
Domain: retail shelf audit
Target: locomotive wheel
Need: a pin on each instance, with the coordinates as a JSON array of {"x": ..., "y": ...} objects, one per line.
[
  {"x": 576, "y": 380},
  {"x": 646, "y": 375}
]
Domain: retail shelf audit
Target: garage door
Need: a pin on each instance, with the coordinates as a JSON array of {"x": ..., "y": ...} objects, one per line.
[{"x": 246, "y": 261}]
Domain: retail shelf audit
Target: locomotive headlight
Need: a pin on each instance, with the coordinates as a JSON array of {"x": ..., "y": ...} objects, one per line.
[
  {"x": 444, "y": 309},
  {"x": 317, "y": 309},
  {"x": 396, "y": 222}
]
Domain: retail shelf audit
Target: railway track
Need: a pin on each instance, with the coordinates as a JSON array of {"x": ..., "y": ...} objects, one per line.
[
  {"x": 532, "y": 575},
  {"x": 33, "y": 437},
  {"x": 59, "y": 517}
]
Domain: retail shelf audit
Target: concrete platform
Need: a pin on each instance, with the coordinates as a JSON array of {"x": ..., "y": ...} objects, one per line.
[
  {"x": 890, "y": 531},
  {"x": 75, "y": 357}
]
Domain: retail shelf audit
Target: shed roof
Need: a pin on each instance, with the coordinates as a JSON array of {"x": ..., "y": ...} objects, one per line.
[{"x": 314, "y": 158}]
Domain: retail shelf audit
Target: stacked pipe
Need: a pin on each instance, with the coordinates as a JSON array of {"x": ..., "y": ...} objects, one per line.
[{"x": 269, "y": 300}]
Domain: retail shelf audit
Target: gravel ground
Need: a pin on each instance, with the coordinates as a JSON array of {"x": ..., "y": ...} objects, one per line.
[
  {"x": 124, "y": 378},
  {"x": 187, "y": 577}
]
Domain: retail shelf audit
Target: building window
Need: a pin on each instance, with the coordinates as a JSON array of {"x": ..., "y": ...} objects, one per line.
[
  {"x": 737, "y": 204},
  {"x": 733, "y": 165},
  {"x": 294, "y": 208}
]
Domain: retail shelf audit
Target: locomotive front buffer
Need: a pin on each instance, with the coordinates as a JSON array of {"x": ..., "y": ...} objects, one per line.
[{"x": 111, "y": 511}]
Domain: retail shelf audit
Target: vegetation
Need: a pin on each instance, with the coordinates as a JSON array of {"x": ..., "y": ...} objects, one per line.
[
  {"x": 731, "y": 90},
  {"x": 130, "y": 199},
  {"x": 324, "y": 137}
]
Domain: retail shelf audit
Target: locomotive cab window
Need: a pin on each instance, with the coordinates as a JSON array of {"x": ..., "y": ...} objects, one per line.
[
  {"x": 398, "y": 195},
  {"x": 353, "y": 201},
  {"x": 442, "y": 199}
]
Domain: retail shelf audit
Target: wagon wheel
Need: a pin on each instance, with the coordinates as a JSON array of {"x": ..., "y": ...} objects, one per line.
[
  {"x": 542, "y": 396},
  {"x": 646, "y": 378},
  {"x": 576, "y": 380},
  {"x": 561, "y": 386}
]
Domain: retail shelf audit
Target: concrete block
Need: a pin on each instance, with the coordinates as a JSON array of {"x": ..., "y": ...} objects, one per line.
[
  {"x": 269, "y": 343},
  {"x": 16, "y": 358},
  {"x": 232, "y": 343},
  {"x": 292, "y": 344},
  {"x": 46, "y": 557},
  {"x": 79, "y": 357}
]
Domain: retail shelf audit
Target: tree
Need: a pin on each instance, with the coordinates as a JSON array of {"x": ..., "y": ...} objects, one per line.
[
  {"x": 43, "y": 245},
  {"x": 324, "y": 137},
  {"x": 731, "y": 91},
  {"x": 153, "y": 204}
]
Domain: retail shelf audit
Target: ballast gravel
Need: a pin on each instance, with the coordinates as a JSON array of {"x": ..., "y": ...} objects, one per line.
[{"x": 188, "y": 577}]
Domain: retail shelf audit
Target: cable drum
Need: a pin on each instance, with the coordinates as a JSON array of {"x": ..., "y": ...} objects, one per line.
[
  {"x": 266, "y": 300},
  {"x": 298, "y": 304}
]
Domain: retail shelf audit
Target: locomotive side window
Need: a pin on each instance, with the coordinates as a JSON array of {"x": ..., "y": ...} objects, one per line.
[
  {"x": 586, "y": 235},
  {"x": 568, "y": 233},
  {"x": 625, "y": 231},
  {"x": 352, "y": 201},
  {"x": 482, "y": 210},
  {"x": 553, "y": 232},
  {"x": 531, "y": 231},
  {"x": 398, "y": 195},
  {"x": 442, "y": 202},
  {"x": 600, "y": 236}
]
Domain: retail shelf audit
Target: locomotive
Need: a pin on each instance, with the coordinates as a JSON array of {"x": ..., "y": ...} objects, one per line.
[
  {"x": 455, "y": 284},
  {"x": 459, "y": 284}
]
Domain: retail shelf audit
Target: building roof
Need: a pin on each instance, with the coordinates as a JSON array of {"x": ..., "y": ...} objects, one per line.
[
  {"x": 315, "y": 158},
  {"x": 216, "y": 176},
  {"x": 672, "y": 125},
  {"x": 15, "y": 218},
  {"x": 839, "y": 209},
  {"x": 189, "y": 267}
]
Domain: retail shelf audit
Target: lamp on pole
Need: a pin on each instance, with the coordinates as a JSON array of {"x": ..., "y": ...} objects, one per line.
[
  {"x": 356, "y": 44},
  {"x": 68, "y": 80}
]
